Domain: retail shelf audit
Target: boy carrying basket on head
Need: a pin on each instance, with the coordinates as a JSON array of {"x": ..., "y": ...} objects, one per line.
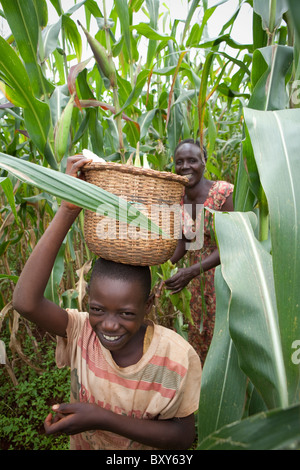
[{"x": 134, "y": 385}]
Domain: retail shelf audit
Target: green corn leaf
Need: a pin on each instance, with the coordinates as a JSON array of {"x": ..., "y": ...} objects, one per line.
[
  {"x": 124, "y": 16},
  {"x": 253, "y": 319},
  {"x": 10, "y": 277},
  {"x": 203, "y": 91},
  {"x": 76, "y": 191},
  {"x": 271, "y": 66},
  {"x": 223, "y": 384},
  {"x": 8, "y": 189},
  {"x": 271, "y": 12},
  {"x": 145, "y": 30},
  {"x": 52, "y": 288},
  {"x": 17, "y": 88},
  {"x": 295, "y": 13},
  {"x": 23, "y": 21},
  {"x": 275, "y": 430},
  {"x": 274, "y": 136}
]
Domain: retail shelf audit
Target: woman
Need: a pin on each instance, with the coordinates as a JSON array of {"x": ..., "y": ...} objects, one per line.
[{"x": 190, "y": 161}]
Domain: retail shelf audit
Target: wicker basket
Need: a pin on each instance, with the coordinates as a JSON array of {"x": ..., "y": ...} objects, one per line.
[{"x": 157, "y": 194}]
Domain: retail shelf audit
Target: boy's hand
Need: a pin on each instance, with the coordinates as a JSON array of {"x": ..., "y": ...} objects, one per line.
[
  {"x": 176, "y": 433},
  {"x": 72, "y": 418},
  {"x": 74, "y": 164}
]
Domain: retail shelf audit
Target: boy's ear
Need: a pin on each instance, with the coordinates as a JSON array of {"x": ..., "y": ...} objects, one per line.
[{"x": 150, "y": 302}]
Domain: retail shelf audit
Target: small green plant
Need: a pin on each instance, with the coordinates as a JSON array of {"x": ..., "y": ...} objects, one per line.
[
  {"x": 23, "y": 408},
  {"x": 172, "y": 310}
]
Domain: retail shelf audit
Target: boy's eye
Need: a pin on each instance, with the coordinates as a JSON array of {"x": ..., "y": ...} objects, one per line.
[
  {"x": 128, "y": 315},
  {"x": 97, "y": 310}
]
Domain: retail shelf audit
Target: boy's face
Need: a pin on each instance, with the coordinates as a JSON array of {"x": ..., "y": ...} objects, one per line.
[{"x": 117, "y": 311}]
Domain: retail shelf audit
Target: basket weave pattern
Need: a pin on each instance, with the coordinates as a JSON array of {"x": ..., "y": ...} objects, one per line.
[{"x": 154, "y": 193}]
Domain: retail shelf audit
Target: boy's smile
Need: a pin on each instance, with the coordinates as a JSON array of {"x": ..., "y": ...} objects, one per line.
[{"x": 117, "y": 311}]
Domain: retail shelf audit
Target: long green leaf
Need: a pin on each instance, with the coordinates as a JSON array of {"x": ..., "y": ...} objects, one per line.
[
  {"x": 8, "y": 189},
  {"x": 270, "y": 19},
  {"x": 153, "y": 9},
  {"x": 275, "y": 137},
  {"x": 203, "y": 91},
  {"x": 23, "y": 21},
  {"x": 275, "y": 430},
  {"x": 76, "y": 191},
  {"x": 145, "y": 30},
  {"x": 223, "y": 384},
  {"x": 270, "y": 86},
  {"x": 50, "y": 38},
  {"x": 253, "y": 320},
  {"x": 18, "y": 90},
  {"x": 294, "y": 8},
  {"x": 73, "y": 35},
  {"x": 123, "y": 14},
  {"x": 52, "y": 288}
]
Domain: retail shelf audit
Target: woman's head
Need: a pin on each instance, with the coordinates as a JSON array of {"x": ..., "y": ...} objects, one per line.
[
  {"x": 193, "y": 142},
  {"x": 190, "y": 160}
]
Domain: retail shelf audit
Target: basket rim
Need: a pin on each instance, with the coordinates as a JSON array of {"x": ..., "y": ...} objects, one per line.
[{"x": 134, "y": 170}]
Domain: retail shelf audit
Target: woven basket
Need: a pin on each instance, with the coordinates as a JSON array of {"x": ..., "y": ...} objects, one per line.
[{"x": 156, "y": 194}]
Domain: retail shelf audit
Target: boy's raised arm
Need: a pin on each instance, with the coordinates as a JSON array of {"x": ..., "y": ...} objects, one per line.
[{"x": 28, "y": 298}]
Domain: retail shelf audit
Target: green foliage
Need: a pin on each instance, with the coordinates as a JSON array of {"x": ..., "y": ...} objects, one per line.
[
  {"x": 24, "y": 407},
  {"x": 258, "y": 303},
  {"x": 172, "y": 310}
]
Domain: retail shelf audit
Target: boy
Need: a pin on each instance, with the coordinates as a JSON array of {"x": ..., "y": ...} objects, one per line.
[{"x": 134, "y": 385}]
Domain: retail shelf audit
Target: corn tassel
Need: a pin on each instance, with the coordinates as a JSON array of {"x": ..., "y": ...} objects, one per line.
[
  {"x": 62, "y": 129},
  {"x": 103, "y": 60}
]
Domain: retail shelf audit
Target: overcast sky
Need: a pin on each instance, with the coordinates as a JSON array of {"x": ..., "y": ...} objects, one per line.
[{"x": 242, "y": 31}]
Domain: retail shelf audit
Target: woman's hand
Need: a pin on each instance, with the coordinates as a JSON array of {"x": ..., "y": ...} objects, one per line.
[
  {"x": 181, "y": 279},
  {"x": 74, "y": 165}
]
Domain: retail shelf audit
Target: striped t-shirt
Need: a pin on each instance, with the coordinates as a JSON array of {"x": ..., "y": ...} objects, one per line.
[{"x": 165, "y": 383}]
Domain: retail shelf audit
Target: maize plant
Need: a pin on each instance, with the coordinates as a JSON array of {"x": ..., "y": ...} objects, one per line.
[{"x": 122, "y": 102}]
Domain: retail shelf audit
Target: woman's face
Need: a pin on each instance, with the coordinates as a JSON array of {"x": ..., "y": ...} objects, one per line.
[{"x": 189, "y": 162}]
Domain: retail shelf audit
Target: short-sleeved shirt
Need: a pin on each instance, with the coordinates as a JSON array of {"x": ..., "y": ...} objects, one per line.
[{"x": 164, "y": 384}]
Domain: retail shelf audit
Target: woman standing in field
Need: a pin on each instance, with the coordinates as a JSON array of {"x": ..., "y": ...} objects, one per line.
[{"x": 189, "y": 161}]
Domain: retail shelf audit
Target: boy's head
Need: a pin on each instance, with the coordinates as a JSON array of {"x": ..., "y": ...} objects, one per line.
[
  {"x": 119, "y": 299},
  {"x": 124, "y": 272}
]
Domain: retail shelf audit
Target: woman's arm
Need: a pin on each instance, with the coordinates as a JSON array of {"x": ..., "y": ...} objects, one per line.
[
  {"x": 28, "y": 298},
  {"x": 180, "y": 251},
  {"x": 184, "y": 275},
  {"x": 177, "y": 433}
]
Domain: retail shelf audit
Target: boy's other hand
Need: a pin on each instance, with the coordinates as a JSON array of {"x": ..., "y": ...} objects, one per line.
[
  {"x": 74, "y": 165},
  {"x": 72, "y": 418}
]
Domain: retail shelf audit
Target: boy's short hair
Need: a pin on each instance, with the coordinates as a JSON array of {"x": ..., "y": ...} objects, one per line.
[{"x": 124, "y": 272}]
